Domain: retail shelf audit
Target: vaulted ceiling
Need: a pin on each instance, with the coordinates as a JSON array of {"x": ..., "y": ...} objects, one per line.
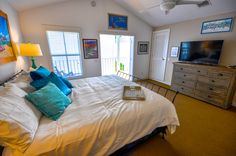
[{"x": 154, "y": 16}]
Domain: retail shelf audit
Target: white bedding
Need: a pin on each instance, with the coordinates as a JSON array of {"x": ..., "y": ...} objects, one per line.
[{"x": 99, "y": 122}]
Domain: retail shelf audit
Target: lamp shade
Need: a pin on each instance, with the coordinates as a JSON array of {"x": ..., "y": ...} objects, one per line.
[{"x": 29, "y": 49}]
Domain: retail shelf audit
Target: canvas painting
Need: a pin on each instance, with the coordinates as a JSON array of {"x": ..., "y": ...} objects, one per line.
[
  {"x": 117, "y": 22},
  {"x": 90, "y": 47},
  {"x": 216, "y": 26},
  {"x": 6, "y": 49}
]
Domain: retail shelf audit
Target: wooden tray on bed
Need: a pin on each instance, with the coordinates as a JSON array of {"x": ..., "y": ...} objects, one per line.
[{"x": 133, "y": 93}]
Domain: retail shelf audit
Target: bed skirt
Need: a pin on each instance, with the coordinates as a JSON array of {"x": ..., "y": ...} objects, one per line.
[{"x": 124, "y": 151}]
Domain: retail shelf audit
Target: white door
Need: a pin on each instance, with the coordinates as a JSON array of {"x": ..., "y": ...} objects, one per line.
[{"x": 159, "y": 55}]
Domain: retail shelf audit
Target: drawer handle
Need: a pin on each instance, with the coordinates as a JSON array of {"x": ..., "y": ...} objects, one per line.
[
  {"x": 181, "y": 68},
  {"x": 210, "y": 88},
  {"x": 184, "y": 75},
  {"x": 183, "y": 82},
  {"x": 209, "y": 96},
  {"x": 213, "y": 81},
  {"x": 182, "y": 88},
  {"x": 220, "y": 74},
  {"x": 199, "y": 71}
]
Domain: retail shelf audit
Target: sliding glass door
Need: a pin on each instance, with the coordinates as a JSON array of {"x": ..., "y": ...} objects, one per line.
[{"x": 116, "y": 53}]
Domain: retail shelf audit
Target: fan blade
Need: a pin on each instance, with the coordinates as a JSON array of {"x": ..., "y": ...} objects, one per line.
[
  {"x": 204, "y": 3},
  {"x": 167, "y": 12},
  {"x": 151, "y": 7},
  {"x": 198, "y": 3}
]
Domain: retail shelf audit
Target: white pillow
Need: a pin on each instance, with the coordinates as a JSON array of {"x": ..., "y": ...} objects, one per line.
[
  {"x": 23, "y": 81},
  {"x": 18, "y": 119}
]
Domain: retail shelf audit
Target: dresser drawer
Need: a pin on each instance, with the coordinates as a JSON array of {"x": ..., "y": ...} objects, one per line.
[
  {"x": 184, "y": 69},
  {"x": 212, "y": 89},
  {"x": 191, "y": 70},
  {"x": 214, "y": 81},
  {"x": 186, "y": 83},
  {"x": 186, "y": 76},
  {"x": 209, "y": 98},
  {"x": 220, "y": 74},
  {"x": 200, "y": 71},
  {"x": 183, "y": 89}
]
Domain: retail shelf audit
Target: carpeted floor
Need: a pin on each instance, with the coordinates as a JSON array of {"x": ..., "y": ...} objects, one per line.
[{"x": 205, "y": 130}]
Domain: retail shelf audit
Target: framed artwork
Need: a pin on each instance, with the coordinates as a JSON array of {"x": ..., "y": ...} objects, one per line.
[
  {"x": 174, "y": 51},
  {"x": 117, "y": 22},
  {"x": 217, "y": 26},
  {"x": 6, "y": 49},
  {"x": 143, "y": 47},
  {"x": 90, "y": 47}
]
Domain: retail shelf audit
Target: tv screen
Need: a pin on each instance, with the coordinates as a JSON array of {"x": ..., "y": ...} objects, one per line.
[{"x": 203, "y": 52}]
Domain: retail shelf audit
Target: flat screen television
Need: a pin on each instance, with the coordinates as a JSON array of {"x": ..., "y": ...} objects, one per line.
[{"x": 201, "y": 52}]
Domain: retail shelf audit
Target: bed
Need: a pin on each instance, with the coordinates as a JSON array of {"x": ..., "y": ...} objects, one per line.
[{"x": 99, "y": 122}]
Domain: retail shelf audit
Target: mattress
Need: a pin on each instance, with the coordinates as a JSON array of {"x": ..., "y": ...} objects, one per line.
[{"x": 99, "y": 122}]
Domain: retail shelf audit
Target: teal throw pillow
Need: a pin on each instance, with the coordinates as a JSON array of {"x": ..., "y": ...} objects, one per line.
[
  {"x": 40, "y": 73},
  {"x": 67, "y": 82},
  {"x": 54, "y": 79},
  {"x": 49, "y": 100}
]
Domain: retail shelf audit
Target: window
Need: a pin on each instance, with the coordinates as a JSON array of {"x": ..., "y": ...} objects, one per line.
[{"x": 65, "y": 52}]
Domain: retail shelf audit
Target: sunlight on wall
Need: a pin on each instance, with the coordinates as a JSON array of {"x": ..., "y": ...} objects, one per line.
[{"x": 14, "y": 35}]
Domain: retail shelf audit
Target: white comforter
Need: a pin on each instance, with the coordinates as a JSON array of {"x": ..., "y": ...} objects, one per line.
[{"x": 99, "y": 122}]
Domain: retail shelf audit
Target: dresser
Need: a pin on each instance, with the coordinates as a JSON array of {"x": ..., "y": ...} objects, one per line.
[{"x": 212, "y": 84}]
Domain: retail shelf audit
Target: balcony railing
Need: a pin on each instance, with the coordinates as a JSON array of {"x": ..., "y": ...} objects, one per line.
[
  {"x": 67, "y": 65},
  {"x": 112, "y": 65}
]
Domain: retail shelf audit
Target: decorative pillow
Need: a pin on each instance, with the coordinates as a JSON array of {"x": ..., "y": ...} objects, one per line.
[
  {"x": 21, "y": 93},
  {"x": 40, "y": 73},
  {"x": 66, "y": 82},
  {"x": 18, "y": 122},
  {"x": 23, "y": 82},
  {"x": 54, "y": 79},
  {"x": 49, "y": 100}
]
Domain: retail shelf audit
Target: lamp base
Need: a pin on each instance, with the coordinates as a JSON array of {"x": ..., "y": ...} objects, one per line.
[{"x": 33, "y": 63}]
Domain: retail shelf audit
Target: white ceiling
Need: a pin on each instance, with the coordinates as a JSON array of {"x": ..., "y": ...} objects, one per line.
[
  {"x": 155, "y": 17},
  {"x": 22, "y": 5}
]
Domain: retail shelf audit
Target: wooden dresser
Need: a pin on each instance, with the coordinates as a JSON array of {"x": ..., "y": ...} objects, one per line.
[{"x": 212, "y": 84}]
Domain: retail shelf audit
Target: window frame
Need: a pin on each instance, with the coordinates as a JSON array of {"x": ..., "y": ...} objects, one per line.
[{"x": 71, "y": 30}]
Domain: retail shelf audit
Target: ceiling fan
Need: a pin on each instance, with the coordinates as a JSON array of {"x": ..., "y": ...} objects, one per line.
[{"x": 167, "y": 5}]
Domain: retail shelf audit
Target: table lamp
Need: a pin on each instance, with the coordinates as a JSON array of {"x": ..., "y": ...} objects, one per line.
[{"x": 32, "y": 50}]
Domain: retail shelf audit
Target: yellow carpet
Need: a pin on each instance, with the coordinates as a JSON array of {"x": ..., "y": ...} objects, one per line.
[{"x": 205, "y": 130}]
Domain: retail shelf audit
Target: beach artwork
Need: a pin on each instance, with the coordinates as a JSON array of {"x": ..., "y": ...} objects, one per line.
[
  {"x": 90, "y": 48},
  {"x": 6, "y": 49},
  {"x": 117, "y": 22}
]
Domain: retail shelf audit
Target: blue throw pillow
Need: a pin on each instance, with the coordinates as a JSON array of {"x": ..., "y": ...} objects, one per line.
[
  {"x": 54, "y": 79},
  {"x": 49, "y": 100},
  {"x": 66, "y": 82},
  {"x": 40, "y": 73}
]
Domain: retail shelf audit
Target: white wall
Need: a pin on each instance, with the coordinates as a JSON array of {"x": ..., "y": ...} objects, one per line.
[
  {"x": 190, "y": 31},
  {"x": 9, "y": 69},
  {"x": 91, "y": 21}
]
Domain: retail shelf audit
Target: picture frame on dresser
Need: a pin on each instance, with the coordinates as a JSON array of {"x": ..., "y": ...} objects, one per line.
[{"x": 7, "y": 53}]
